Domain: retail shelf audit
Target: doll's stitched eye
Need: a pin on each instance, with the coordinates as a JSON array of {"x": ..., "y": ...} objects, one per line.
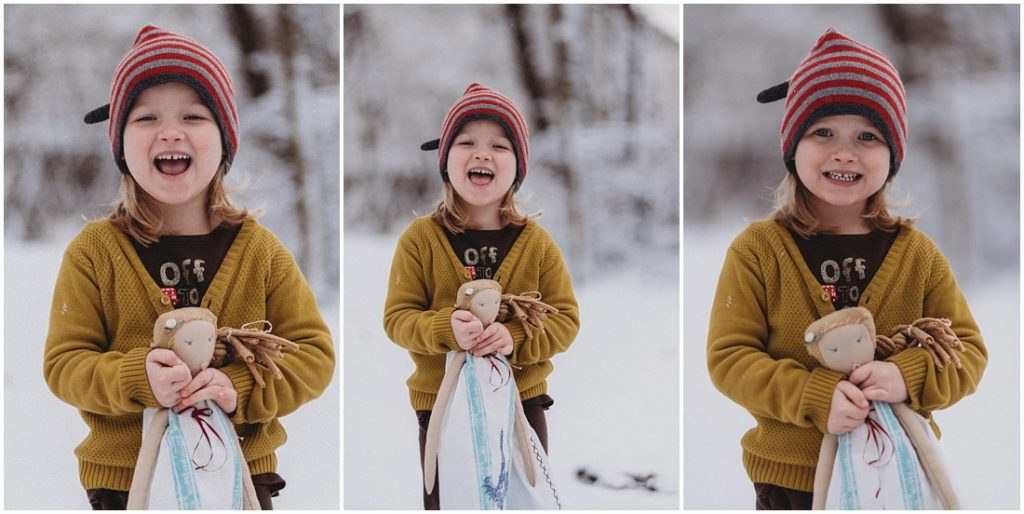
[
  {"x": 480, "y": 304},
  {"x": 834, "y": 350},
  {"x": 209, "y": 339},
  {"x": 859, "y": 338},
  {"x": 188, "y": 342}
]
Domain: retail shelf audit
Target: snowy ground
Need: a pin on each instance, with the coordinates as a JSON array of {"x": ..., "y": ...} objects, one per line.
[
  {"x": 980, "y": 435},
  {"x": 616, "y": 392},
  {"x": 41, "y": 432}
]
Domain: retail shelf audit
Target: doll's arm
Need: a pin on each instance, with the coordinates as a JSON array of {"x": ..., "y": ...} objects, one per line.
[
  {"x": 306, "y": 372},
  {"x": 555, "y": 286},
  {"x": 738, "y": 361},
  {"x": 76, "y": 363},
  {"x": 408, "y": 319},
  {"x": 929, "y": 389}
]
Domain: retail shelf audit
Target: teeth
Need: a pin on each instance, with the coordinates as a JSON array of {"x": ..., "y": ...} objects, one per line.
[
  {"x": 843, "y": 177},
  {"x": 172, "y": 157},
  {"x": 482, "y": 172}
]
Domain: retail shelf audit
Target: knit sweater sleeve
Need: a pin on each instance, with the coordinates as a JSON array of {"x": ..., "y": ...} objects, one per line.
[
  {"x": 78, "y": 365},
  {"x": 409, "y": 319},
  {"x": 292, "y": 310},
  {"x": 928, "y": 388},
  {"x": 560, "y": 329},
  {"x": 737, "y": 352}
]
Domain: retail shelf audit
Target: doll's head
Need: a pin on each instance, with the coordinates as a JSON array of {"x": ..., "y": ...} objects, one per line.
[
  {"x": 843, "y": 339},
  {"x": 482, "y": 298},
  {"x": 191, "y": 333}
]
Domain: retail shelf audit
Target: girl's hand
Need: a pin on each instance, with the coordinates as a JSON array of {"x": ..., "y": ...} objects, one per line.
[
  {"x": 209, "y": 384},
  {"x": 848, "y": 410},
  {"x": 167, "y": 376},
  {"x": 880, "y": 380},
  {"x": 495, "y": 338},
  {"x": 466, "y": 328}
]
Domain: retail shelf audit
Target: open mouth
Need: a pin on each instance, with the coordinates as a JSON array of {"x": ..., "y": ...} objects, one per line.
[
  {"x": 172, "y": 163},
  {"x": 480, "y": 176},
  {"x": 842, "y": 176}
]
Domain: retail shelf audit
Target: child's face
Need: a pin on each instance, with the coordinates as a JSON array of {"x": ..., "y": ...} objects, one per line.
[
  {"x": 172, "y": 144},
  {"x": 842, "y": 160},
  {"x": 481, "y": 164}
]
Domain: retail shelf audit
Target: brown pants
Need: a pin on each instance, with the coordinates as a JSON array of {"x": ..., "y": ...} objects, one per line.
[
  {"x": 774, "y": 497},
  {"x": 267, "y": 485},
  {"x": 533, "y": 408}
]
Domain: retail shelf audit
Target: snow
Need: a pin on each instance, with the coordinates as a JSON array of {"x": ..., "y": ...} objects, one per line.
[
  {"x": 41, "y": 432},
  {"x": 616, "y": 391},
  {"x": 980, "y": 435}
]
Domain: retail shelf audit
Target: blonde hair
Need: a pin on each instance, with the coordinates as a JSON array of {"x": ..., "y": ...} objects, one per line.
[
  {"x": 451, "y": 211},
  {"x": 134, "y": 214},
  {"x": 793, "y": 210}
]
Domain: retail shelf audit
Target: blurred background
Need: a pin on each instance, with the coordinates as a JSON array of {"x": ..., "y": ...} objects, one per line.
[
  {"x": 58, "y": 64},
  {"x": 599, "y": 86},
  {"x": 960, "y": 67}
]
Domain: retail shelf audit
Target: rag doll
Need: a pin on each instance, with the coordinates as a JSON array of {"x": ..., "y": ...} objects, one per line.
[
  {"x": 478, "y": 434},
  {"x": 891, "y": 461},
  {"x": 192, "y": 459}
]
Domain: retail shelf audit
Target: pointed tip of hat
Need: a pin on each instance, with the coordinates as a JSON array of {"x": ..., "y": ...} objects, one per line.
[
  {"x": 475, "y": 86},
  {"x": 147, "y": 32}
]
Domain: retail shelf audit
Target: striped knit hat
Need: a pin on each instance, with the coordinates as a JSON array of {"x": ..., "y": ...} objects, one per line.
[
  {"x": 479, "y": 102},
  {"x": 157, "y": 57},
  {"x": 842, "y": 76}
]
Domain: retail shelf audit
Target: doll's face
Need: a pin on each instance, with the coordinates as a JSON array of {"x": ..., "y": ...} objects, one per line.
[
  {"x": 485, "y": 304},
  {"x": 843, "y": 347},
  {"x": 193, "y": 343}
]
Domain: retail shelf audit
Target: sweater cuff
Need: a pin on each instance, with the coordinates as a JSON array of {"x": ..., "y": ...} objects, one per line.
[
  {"x": 243, "y": 382},
  {"x": 135, "y": 378},
  {"x": 913, "y": 364},
  {"x": 817, "y": 398},
  {"x": 518, "y": 332},
  {"x": 441, "y": 330}
]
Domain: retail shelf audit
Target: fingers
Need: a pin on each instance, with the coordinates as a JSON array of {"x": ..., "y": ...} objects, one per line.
[
  {"x": 463, "y": 316},
  {"x": 853, "y": 394},
  {"x": 163, "y": 357}
]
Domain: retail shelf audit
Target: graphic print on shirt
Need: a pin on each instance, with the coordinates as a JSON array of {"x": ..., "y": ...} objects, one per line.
[
  {"x": 847, "y": 292},
  {"x": 845, "y": 264},
  {"x": 480, "y": 262},
  {"x": 181, "y": 281}
]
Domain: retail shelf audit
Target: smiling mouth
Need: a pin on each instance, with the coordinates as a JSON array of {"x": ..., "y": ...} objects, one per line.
[
  {"x": 172, "y": 163},
  {"x": 845, "y": 177},
  {"x": 480, "y": 176}
]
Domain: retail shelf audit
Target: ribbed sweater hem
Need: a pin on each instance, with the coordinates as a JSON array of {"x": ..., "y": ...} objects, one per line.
[
  {"x": 98, "y": 476},
  {"x": 791, "y": 476}
]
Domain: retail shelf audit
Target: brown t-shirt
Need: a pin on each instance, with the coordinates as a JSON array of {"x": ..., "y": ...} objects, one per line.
[
  {"x": 481, "y": 251},
  {"x": 845, "y": 264},
  {"x": 184, "y": 266}
]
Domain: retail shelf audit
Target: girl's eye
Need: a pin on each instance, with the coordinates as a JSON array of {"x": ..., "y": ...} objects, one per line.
[
  {"x": 822, "y": 132},
  {"x": 195, "y": 117},
  {"x": 464, "y": 142},
  {"x": 868, "y": 136},
  {"x": 501, "y": 147},
  {"x": 145, "y": 117}
]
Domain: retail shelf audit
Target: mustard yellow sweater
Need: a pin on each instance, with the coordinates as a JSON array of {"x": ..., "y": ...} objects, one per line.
[
  {"x": 766, "y": 298},
  {"x": 425, "y": 277},
  {"x": 101, "y": 325}
]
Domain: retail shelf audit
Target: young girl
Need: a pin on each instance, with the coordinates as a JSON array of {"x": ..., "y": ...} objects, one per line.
[
  {"x": 175, "y": 240},
  {"x": 477, "y": 232},
  {"x": 832, "y": 242}
]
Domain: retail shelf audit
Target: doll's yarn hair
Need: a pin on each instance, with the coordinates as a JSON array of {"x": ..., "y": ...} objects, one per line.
[{"x": 169, "y": 322}]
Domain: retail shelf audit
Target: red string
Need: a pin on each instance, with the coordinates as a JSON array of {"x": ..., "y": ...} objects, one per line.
[
  {"x": 879, "y": 437},
  {"x": 200, "y": 416},
  {"x": 497, "y": 363}
]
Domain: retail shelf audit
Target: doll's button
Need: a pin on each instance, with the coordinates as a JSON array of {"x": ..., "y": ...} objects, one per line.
[
  {"x": 165, "y": 300},
  {"x": 824, "y": 297}
]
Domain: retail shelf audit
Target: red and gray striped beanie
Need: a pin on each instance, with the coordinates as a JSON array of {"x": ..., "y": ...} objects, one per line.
[
  {"x": 479, "y": 102},
  {"x": 842, "y": 76},
  {"x": 157, "y": 57}
]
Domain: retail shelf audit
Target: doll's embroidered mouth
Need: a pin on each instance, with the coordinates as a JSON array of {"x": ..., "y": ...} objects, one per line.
[
  {"x": 172, "y": 164},
  {"x": 842, "y": 177},
  {"x": 480, "y": 176}
]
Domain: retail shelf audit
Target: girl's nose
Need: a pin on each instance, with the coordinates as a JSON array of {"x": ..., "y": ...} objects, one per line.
[
  {"x": 170, "y": 131},
  {"x": 482, "y": 155},
  {"x": 842, "y": 153}
]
